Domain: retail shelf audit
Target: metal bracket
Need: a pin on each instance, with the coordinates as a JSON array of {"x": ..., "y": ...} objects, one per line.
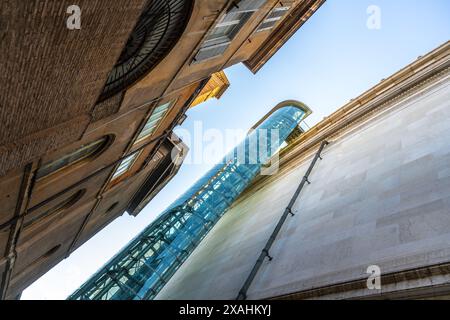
[
  {"x": 265, "y": 251},
  {"x": 292, "y": 213},
  {"x": 242, "y": 295},
  {"x": 267, "y": 254}
]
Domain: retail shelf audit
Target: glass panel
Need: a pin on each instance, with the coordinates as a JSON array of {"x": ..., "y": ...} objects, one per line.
[
  {"x": 211, "y": 52},
  {"x": 125, "y": 165},
  {"x": 81, "y": 153},
  {"x": 171, "y": 238},
  {"x": 273, "y": 18},
  {"x": 247, "y": 5},
  {"x": 266, "y": 26},
  {"x": 224, "y": 32},
  {"x": 152, "y": 123},
  {"x": 278, "y": 12}
]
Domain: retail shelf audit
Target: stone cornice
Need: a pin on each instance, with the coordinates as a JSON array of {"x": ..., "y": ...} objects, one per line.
[
  {"x": 283, "y": 33},
  {"x": 401, "y": 85},
  {"x": 359, "y": 286}
]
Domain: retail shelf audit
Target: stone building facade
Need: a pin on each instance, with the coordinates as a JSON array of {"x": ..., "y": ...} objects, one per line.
[
  {"x": 380, "y": 198},
  {"x": 86, "y": 115}
]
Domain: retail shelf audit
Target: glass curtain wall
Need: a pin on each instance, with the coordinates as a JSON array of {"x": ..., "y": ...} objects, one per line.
[{"x": 145, "y": 265}]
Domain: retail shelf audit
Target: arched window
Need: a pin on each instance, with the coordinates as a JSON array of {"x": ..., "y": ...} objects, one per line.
[
  {"x": 158, "y": 30},
  {"x": 111, "y": 208},
  {"x": 84, "y": 152},
  {"x": 50, "y": 252},
  {"x": 60, "y": 207}
]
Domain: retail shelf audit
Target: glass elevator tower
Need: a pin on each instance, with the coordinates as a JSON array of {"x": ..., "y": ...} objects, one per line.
[{"x": 145, "y": 265}]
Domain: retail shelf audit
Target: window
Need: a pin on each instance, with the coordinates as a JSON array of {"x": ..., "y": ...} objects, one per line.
[
  {"x": 276, "y": 15},
  {"x": 150, "y": 126},
  {"x": 159, "y": 28},
  {"x": 125, "y": 165},
  {"x": 152, "y": 123},
  {"x": 220, "y": 37},
  {"x": 60, "y": 207},
  {"x": 51, "y": 252},
  {"x": 111, "y": 208},
  {"x": 82, "y": 153}
]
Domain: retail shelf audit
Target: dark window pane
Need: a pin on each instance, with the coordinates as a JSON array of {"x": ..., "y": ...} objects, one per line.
[
  {"x": 247, "y": 5},
  {"x": 60, "y": 207},
  {"x": 272, "y": 19},
  {"x": 220, "y": 37},
  {"x": 211, "y": 52},
  {"x": 81, "y": 153}
]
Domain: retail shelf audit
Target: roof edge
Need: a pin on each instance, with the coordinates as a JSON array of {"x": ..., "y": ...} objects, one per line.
[{"x": 286, "y": 103}]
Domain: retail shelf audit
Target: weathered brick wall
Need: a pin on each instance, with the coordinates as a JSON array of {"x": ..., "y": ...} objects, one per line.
[
  {"x": 18, "y": 153},
  {"x": 50, "y": 74},
  {"x": 107, "y": 108}
]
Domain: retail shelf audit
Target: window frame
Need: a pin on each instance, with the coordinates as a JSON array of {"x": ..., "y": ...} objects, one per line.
[
  {"x": 273, "y": 20},
  {"x": 103, "y": 144},
  {"x": 245, "y": 13},
  {"x": 134, "y": 156},
  {"x": 55, "y": 210},
  {"x": 139, "y": 137}
]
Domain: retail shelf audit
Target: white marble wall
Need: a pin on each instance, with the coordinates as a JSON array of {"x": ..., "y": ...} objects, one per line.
[{"x": 380, "y": 196}]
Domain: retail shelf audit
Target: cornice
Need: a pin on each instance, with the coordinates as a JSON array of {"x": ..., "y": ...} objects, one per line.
[
  {"x": 359, "y": 286},
  {"x": 290, "y": 25},
  {"x": 407, "y": 82},
  {"x": 387, "y": 93}
]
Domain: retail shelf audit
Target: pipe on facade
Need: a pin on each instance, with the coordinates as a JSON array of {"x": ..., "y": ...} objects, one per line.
[
  {"x": 265, "y": 252},
  {"x": 147, "y": 263}
]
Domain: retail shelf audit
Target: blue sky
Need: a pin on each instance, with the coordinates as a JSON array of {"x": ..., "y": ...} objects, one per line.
[{"x": 333, "y": 58}]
